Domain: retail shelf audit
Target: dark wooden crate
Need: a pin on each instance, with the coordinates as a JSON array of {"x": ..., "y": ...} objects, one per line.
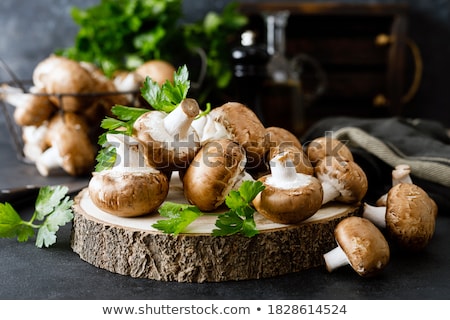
[{"x": 342, "y": 38}]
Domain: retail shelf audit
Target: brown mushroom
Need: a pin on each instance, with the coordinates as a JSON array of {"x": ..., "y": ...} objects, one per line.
[
  {"x": 360, "y": 244},
  {"x": 169, "y": 141},
  {"x": 289, "y": 197},
  {"x": 342, "y": 180},
  {"x": 322, "y": 147},
  {"x": 282, "y": 140},
  {"x": 159, "y": 71},
  {"x": 245, "y": 128},
  {"x": 400, "y": 174},
  {"x": 67, "y": 82},
  {"x": 31, "y": 108},
  {"x": 70, "y": 147},
  {"x": 215, "y": 170},
  {"x": 130, "y": 188},
  {"x": 409, "y": 216}
]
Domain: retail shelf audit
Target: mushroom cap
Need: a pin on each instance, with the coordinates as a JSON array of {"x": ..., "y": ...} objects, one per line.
[
  {"x": 69, "y": 133},
  {"x": 364, "y": 245},
  {"x": 212, "y": 173},
  {"x": 246, "y": 129},
  {"x": 35, "y": 108},
  {"x": 289, "y": 206},
  {"x": 297, "y": 156},
  {"x": 410, "y": 216},
  {"x": 159, "y": 71},
  {"x": 127, "y": 193},
  {"x": 60, "y": 75},
  {"x": 345, "y": 175},
  {"x": 280, "y": 136},
  {"x": 161, "y": 150},
  {"x": 322, "y": 147}
]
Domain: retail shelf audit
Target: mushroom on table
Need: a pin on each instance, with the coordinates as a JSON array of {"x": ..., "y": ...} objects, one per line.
[
  {"x": 409, "y": 216},
  {"x": 360, "y": 245}
]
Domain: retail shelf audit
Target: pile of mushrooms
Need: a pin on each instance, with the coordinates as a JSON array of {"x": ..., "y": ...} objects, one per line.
[{"x": 60, "y": 114}]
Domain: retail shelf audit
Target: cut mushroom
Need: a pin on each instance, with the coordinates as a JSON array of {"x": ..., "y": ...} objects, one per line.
[
  {"x": 342, "y": 180},
  {"x": 130, "y": 188},
  {"x": 325, "y": 146},
  {"x": 409, "y": 216},
  {"x": 215, "y": 170},
  {"x": 169, "y": 141},
  {"x": 289, "y": 197},
  {"x": 360, "y": 245}
]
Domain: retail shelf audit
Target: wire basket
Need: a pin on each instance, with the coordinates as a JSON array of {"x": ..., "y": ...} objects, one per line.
[{"x": 23, "y": 87}]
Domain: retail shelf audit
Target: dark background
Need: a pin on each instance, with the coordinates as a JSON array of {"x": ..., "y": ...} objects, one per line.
[{"x": 31, "y": 30}]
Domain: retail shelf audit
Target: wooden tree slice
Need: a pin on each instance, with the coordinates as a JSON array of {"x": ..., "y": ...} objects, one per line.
[{"x": 131, "y": 246}]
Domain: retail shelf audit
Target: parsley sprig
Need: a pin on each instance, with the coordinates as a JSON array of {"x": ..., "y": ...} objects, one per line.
[
  {"x": 240, "y": 216},
  {"x": 168, "y": 96},
  {"x": 238, "y": 219},
  {"x": 53, "y": 209},
  {"x": 179, "y": 217}
]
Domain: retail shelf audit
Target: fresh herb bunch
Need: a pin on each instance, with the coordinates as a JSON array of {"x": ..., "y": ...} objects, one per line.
[
  {"x": 52, "y": 208},
  {"x": 239, "y": 219},
  {"x": 118, "y": 35},
  {"x": 121, "y": 35}
]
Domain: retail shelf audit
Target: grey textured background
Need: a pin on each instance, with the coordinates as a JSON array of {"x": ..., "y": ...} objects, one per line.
[{"x": 32, "y": 29}]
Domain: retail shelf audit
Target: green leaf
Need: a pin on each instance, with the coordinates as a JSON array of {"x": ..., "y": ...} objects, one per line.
[
  {"x": 250, "y": 189},
  {"x": 48, "y": 199},
  {"x": 228, "y": 223},
  {"x": 106, "y": 158},
  {"x": 52, "y": 207},
  {"x": 180, "y": 216},
  {"x": 167, "y": 97},
  {"x": 61, "y": 215},
  {"x": 11, "y": 224}
]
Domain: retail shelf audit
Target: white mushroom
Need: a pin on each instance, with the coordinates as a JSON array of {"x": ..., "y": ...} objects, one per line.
[
  {"x": 289, "y": 196},
  {"x": 360, "y": 245}
]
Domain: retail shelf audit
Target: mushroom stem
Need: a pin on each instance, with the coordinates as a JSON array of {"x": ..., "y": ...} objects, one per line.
[
  {"x": 128, "y": 153},
  {"x": 401, "y": 174},
  {"x": 180, "y": 119},
  {"x": 377, "y": 215},
  {"x": 49, "y": 162},
  {"x": 335, "y": 258},
  {"x": 283, "y": 171},
  {"x": 329, "y": 192}
]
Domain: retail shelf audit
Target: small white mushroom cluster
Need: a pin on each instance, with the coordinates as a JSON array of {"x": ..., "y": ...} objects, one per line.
[{"x": 60, "y": 113}]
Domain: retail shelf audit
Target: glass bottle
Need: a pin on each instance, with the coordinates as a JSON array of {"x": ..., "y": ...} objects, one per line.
[
  {"x": 282, "y": 92},
  {"x": 249, "y": 71}
]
